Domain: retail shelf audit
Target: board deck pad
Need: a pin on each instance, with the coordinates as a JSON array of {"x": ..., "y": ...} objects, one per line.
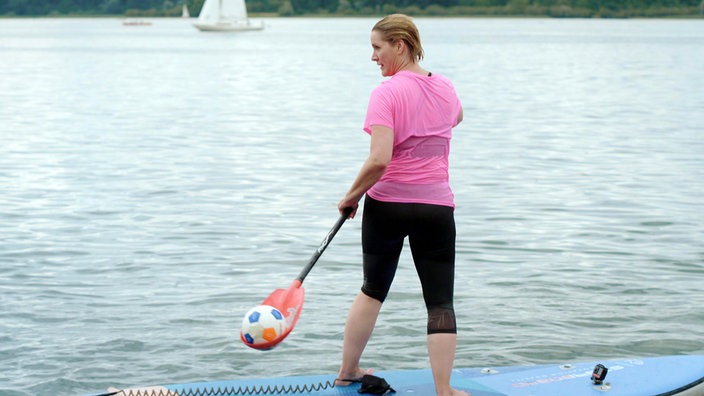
[{"x": 655, "y": 376}]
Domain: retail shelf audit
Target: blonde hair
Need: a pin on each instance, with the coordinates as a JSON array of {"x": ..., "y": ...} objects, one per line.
[{"x": 396, "y": 27}]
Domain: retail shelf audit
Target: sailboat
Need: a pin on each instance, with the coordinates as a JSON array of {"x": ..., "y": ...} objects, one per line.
[
  {"x": 225, "y": 16},
  {"x": 184, "y": 12}
]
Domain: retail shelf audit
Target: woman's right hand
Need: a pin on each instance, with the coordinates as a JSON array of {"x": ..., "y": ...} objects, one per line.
[{"x": 346, "y": 205}]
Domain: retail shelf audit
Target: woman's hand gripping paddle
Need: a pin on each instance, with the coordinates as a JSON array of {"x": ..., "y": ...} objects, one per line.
[{"x": 290, "y": 301}]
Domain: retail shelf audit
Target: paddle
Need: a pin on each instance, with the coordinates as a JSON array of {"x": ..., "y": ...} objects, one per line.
[{"x": 290, "y": 301}]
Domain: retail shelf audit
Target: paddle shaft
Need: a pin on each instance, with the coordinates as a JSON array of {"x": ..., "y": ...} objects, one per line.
[{"x": 323, "y": 245}]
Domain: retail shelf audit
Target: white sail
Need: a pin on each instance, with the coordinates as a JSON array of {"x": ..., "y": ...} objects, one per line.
[
  {"x": 210, "y": 13},
  {"x": 233, "y": 10},
  {"x": 184, "y": 11},
  {"x": 225, "y": 15}
]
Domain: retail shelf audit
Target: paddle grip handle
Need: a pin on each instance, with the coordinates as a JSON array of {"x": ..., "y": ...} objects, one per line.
[{"x": 324, "y": 244}]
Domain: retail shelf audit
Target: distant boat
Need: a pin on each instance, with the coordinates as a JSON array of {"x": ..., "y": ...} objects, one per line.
[
  {"x": 184, "y": 12},
  {"x": 225, "y": 16},
  {"x": 136, "y": 22}
]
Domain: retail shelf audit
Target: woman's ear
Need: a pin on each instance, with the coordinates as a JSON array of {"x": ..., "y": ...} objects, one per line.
[{"x": 399, "y": 45}]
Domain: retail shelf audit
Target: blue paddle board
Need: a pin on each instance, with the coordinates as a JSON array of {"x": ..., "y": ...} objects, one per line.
[{"x": 656, "y": 376}]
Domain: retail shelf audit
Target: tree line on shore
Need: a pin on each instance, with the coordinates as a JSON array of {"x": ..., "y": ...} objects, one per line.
[{"x": 551, "y": 8}]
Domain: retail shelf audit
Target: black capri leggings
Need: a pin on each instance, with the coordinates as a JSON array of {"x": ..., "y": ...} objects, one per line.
[{"x": 431, "y": 235}]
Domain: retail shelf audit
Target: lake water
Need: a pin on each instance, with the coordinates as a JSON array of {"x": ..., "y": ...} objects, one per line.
[{"x": 156, "y": 182}]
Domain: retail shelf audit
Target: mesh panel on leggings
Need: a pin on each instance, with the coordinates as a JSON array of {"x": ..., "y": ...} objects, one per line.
[{"x": 441, "y": 320}]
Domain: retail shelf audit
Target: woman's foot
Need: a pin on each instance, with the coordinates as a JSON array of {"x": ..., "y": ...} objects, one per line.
[
  {"x": 455, "y": 392},
  {"x": 341, "y": 377}
]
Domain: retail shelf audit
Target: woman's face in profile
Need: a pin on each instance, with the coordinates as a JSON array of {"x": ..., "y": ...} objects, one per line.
[{"x": 385, "y": 54}]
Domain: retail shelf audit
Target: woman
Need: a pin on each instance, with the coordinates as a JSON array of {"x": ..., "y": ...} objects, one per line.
[{"x": 405, "y": 178}]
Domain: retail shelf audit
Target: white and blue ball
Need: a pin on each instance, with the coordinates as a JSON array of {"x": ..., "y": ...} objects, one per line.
[{"x": 262, "y": 325}]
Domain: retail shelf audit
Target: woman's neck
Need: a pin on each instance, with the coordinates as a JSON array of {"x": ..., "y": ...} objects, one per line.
[
  {"x": 415, "y": 68},
  {"x": 406, "y": 63}
]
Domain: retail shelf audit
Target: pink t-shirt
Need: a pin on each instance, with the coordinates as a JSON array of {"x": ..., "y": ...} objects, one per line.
[{"x": 421, "y": 110}]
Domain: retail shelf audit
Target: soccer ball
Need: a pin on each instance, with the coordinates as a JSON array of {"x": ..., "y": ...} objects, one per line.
[{"x": 262, "y": 325}]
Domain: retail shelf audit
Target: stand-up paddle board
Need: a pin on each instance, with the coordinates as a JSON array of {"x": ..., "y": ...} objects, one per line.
[{"x": 657, "y": 376}]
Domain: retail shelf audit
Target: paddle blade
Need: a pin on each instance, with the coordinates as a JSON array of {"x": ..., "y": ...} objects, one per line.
[{"x": 290, "y": 303}]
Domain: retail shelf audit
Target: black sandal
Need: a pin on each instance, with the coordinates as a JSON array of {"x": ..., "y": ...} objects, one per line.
[{"x": 371, "y": 384}]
